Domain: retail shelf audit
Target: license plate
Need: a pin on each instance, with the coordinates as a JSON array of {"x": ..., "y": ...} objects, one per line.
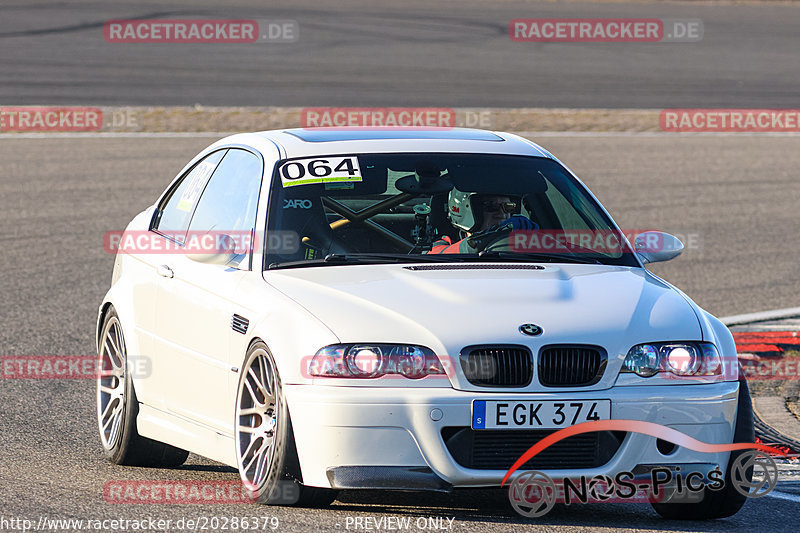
[{"x": 528, "y": 414}]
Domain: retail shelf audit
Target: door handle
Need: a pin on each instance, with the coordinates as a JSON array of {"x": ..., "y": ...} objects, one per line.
[{"x": 165, "y": 271}]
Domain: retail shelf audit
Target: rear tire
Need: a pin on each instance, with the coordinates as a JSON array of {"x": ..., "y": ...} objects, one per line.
[
  {"x": 265, "y": 448},
  {"x": 726, "y": 501},
  {"x": 118, "y": 407}
]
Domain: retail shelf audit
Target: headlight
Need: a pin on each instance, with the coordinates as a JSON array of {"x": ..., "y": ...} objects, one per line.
[
  {"x": 643, "y": 360},
  {"x": 683, "y": 360},
  {"x": 364, "y": 361},
  {"x": 374, "y": 361},
  {"x": 679, "y": 358}
]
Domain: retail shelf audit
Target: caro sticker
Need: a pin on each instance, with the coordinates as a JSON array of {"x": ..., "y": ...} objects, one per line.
[
  {"x": 319, "y": 170},
  {"x": 297, "y": 204},
  {"x": 197, "y": 181}
]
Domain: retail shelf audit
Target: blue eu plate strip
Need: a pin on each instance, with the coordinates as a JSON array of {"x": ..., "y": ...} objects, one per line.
[{"x": 479, "y": 414}]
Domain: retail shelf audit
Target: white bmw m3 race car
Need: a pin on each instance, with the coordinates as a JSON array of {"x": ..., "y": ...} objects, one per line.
[{"x": 329, "y": 309}]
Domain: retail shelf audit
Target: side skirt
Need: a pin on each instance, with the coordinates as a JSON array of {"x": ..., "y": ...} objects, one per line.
[{"x": 182, "y": 433}]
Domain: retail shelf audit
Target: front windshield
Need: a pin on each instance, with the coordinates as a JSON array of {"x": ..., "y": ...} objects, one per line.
[{"x": 434, "y": 207}]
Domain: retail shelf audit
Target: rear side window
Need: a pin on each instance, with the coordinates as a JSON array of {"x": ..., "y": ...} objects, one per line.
[{"x": 175, "y": 210}]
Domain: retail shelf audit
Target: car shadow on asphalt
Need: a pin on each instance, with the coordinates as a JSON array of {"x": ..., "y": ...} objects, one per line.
[{"x": 206, "y": 468}]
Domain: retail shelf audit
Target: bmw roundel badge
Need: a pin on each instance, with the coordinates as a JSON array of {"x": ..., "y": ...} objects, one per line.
[{"x": 530, "y": 329}]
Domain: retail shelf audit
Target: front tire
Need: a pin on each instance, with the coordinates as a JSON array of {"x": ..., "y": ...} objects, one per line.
[
  {"x": 117, "y": 406},
  {"x": 265, "y": 447},
  {"x": 727, "y": 501}
]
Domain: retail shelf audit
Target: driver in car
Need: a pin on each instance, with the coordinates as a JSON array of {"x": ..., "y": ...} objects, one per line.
[{"x": 476, "y": 214}]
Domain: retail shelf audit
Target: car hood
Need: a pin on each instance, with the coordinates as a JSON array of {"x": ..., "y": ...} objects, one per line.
[{"x": 449, "y": 306}]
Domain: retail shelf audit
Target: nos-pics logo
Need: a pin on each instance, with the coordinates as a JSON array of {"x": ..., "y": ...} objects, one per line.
[{"x": 532, "y": 493}]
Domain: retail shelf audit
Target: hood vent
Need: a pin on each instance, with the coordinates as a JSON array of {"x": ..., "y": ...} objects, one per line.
[{"x": 475, "y": 267}]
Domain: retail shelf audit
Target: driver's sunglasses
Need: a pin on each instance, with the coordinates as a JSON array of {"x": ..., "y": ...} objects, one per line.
[{"x": 494, "y": 207}]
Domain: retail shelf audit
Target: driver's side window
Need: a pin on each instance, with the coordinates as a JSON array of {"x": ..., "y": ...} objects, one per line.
[
  {"x": 228, "y": 204},
  {"x": 175, "y": 210},
  {"x": 569, "y": 218}
]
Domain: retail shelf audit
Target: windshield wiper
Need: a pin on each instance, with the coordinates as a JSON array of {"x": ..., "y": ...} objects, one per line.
[
  {"x": 377, "y": 258},
  {"x": 550, "y": 258},
  {"x": 394, "y": 258},
  {"x": 371, "y": 258}
]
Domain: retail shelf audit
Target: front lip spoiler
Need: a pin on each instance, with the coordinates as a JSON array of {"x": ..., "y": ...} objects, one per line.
[
  {"x": 422, "y": 478},
  {"x": 386, "y": 478}
]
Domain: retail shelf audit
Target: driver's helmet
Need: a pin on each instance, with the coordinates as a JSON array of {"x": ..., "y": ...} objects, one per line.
[
  {"x": 460, "y": 210},
  {"x": 464, "y": 208}
]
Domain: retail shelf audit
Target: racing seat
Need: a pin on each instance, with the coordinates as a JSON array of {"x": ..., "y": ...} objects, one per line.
[{"x": 315, "y": 237}]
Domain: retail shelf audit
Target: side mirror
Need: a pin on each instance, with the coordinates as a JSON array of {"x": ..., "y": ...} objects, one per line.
[
  {"x": 222, "y": 253},
  {"x": 655, "y": 246}
]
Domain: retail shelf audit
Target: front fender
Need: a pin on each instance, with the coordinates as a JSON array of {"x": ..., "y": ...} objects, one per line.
[
  {"x": 292, "y": 333},
  {"x": 718, "y": 333}
]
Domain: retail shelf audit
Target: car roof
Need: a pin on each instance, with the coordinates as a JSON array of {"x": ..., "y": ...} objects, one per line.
[{"x": 301, "y": 142}]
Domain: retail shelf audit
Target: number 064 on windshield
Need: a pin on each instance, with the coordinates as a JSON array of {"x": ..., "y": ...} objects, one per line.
[{"x": 532, "y": 414}]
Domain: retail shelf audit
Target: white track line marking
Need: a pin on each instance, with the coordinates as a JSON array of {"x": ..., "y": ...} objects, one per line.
[
  {"x": 761, "y": 316},
  {"x": 658, "y": 133},
  {"x": 784, "y": 496},
  {"x": 117, "y": 135}
]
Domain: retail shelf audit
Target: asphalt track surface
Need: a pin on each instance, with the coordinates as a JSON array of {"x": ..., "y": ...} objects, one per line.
[
  {"x": 411, "y": 53},
  {"x": 59, "y": 195}
]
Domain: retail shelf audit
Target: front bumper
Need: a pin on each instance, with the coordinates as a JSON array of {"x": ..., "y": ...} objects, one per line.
[{"x": 337, "y": 426}]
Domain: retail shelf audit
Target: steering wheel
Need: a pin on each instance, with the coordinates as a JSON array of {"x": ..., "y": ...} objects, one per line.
[{"x": 496, "y": 239}]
